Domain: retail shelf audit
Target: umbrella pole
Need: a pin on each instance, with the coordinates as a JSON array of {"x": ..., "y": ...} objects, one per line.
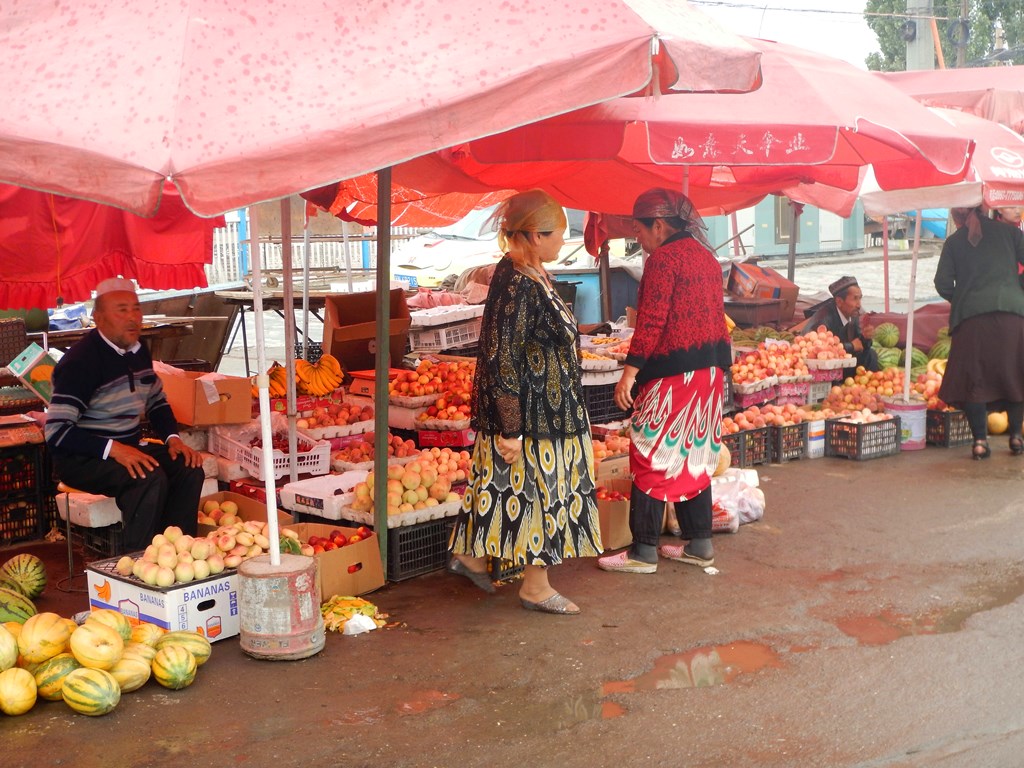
[
  {"x": 604, "y": 274},
  {"x": 288, "y": 305},
  {"x": 348, "y": 255},
  {"x": 794, "y": 231},
  {"x": 305, "y": 284},
  {"x": 909, "y": 348},
  {"x": 885, "y": 257},
  {"x": 380, "y": 382},
  {"x": 263, "y": 383}
]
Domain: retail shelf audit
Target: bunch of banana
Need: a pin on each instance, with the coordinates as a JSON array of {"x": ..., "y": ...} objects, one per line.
[
  {"x": 278, "y": 381},
  {"x": 319, "y": 378}
]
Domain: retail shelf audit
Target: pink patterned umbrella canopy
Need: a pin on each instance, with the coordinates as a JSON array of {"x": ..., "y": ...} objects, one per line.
[{"x": 237, "y": 103}]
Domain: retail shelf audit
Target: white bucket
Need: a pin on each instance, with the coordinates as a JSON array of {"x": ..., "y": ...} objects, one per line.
[
  {"x": 913, "y": 421},
  {"x": 816, "y": 439}
]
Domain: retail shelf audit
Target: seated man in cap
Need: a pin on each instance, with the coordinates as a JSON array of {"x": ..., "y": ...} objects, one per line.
[
  {"x": 842, "y": 317},
  {"x": 102, "y": 388}
]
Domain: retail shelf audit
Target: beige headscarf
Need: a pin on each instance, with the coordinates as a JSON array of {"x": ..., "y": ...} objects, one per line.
[
  {"x": 531, "y": 211},
  {"x": 662, "y": 203}
]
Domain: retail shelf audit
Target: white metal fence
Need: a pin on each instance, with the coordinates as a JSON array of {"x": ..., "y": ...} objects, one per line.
[{"x": 324, "y": 253}]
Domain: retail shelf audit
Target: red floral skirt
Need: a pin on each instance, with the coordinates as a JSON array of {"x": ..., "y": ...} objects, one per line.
[{"x": 677, "y": 434}]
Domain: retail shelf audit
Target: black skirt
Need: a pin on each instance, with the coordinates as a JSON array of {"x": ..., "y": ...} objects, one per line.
[{"x": 986, "y": 361}]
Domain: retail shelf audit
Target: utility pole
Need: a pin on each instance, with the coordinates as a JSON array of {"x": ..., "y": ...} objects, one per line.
[
  {"x": 961, "y": 43},
  {"x": 918, "y": 34}
]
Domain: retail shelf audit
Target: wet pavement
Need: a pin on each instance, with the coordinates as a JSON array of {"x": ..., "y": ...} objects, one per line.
[{"x": 872, "y": 618}]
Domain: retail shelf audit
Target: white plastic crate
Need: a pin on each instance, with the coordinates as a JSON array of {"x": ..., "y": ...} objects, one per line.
[
  {"x": 452, "y": 336},
  {"x": 315, "y": 460}
]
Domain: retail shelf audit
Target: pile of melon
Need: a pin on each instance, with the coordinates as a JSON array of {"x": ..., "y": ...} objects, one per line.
[{"x": 44, "y": 656}]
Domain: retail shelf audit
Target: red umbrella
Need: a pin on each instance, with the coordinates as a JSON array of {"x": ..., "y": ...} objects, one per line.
[
  {"x": 237, "y": 104},
  {"x": 994, "y": 93},
  {"x": 814, "y": 120}
]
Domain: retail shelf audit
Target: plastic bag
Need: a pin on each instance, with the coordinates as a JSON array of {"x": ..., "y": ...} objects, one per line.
[{"x": 735, "y": 503}]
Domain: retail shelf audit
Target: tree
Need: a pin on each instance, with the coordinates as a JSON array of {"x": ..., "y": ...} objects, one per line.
[{"x": 977, "y": 32}]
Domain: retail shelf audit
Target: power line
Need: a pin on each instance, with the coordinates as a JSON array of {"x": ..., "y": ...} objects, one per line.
[{"x": 820, "y": 11}]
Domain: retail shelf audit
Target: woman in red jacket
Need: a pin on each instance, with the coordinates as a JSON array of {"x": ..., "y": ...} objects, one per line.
[{"x": 673, "y": 380}]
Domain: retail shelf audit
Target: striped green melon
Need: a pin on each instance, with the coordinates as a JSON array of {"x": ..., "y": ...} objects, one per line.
[
  {"x": 17, "y": 691},
  {"x": 29, "y": 571},
  {"x": 42, "y": 637},
  {"x": 90, "y": 692},
  {"x": 8, "y": 583},
  {"x": 174, "y": 667},
  {"x": 198, "y": 645},
  {"x": 51, "y": 673},
  {"x": 14, "y": 606},
  {"x": 8, "y": 649},
  {"x": 132, "y": 671},
  {"x": 940, "y": 349},
  {"x": 888, "y": 357},
  {"x": 887, "y": 335}
]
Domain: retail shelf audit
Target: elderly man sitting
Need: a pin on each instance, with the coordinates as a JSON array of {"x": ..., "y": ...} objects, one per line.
[
  {"x": 842, "y": 317},
  {"x": 102, "y": 388}
]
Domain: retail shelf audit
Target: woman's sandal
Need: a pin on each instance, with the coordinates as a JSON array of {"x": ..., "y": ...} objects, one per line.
[
  {"x": 980, "y": 450},
  {"x": 481, "y": 579},
  {"x": 1017, "y": 445},
  {"x": 555, "y": 604}
]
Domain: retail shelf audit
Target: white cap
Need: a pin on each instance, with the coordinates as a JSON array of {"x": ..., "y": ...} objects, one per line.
[{"x": 115, "y": 284}]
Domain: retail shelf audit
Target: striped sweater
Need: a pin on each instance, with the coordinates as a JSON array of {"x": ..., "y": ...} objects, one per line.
[{"x": 99, "y": 395}]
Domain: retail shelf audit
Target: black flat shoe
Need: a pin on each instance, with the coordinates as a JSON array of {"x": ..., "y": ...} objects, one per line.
[
  {"x": 980, "y": 450},
  {"x": 1017, "y": 445}
]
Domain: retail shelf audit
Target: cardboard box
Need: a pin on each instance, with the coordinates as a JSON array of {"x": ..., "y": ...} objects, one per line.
[
  {"x": 354, "y": 569},
  {"x": 350, "y": 328},
  {"x": 209, "y": 607},
  {"x": 34, "y": 367},
  {"x": 249, "y": 508},
  {"x": 614, "y": 515},
  {"x": 747, "y": 281},
  {"x": 612, "y": 468},
  {"x": 226, "y": 400}
]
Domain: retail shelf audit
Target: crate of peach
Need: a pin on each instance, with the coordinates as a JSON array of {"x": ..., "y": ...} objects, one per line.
[
  {"x": 312, "y": 457},
  {"x": 337, "y": 420},
  {"x": 360, "y": 453},
  {"x": 596, "y": 361},
  {"x": 610, "y": 445},
  {"x": 419, "y": 491},
  {"x": 431, "y": 381}
]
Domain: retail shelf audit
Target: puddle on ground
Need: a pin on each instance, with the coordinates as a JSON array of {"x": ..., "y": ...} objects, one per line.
[
  {"x": 888, "y": 625},
  {"x": 700, "y": 668},
  {"x": 425, "y": 701}
]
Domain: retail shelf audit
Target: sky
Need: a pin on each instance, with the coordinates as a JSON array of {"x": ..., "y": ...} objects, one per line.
[{"x": 833, "y": 27}]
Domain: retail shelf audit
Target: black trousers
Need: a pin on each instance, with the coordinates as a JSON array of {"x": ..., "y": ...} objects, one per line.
[
  {"x": 646, "y": 517},
  {"x": 165, "y": 496}
]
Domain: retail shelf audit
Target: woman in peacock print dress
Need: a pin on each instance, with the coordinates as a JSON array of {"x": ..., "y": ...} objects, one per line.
[{"x": 531, "y": 495}]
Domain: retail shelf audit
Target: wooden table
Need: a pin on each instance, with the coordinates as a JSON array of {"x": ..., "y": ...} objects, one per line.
[
  {"x": 274, "y": 301},
  {"x": 66, "y": 339}
]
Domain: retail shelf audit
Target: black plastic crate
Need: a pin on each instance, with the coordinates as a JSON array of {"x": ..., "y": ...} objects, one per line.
[
  {"x": 417, "y": 549},
  {"x": 947, "y": 429},
  {"x": 22, "y": 519},
  {"x": 728, "y": 394},
  {"x": 859, "y": 442},
  {"x": 104, "y": 542},
  {"x": 749, "y": 447},
  {"x": 501, "y": 570},
  {"x": 788, "y": 442},
  {"x": 599, "y": 400},
  {"x": 21, "y": 470}
]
